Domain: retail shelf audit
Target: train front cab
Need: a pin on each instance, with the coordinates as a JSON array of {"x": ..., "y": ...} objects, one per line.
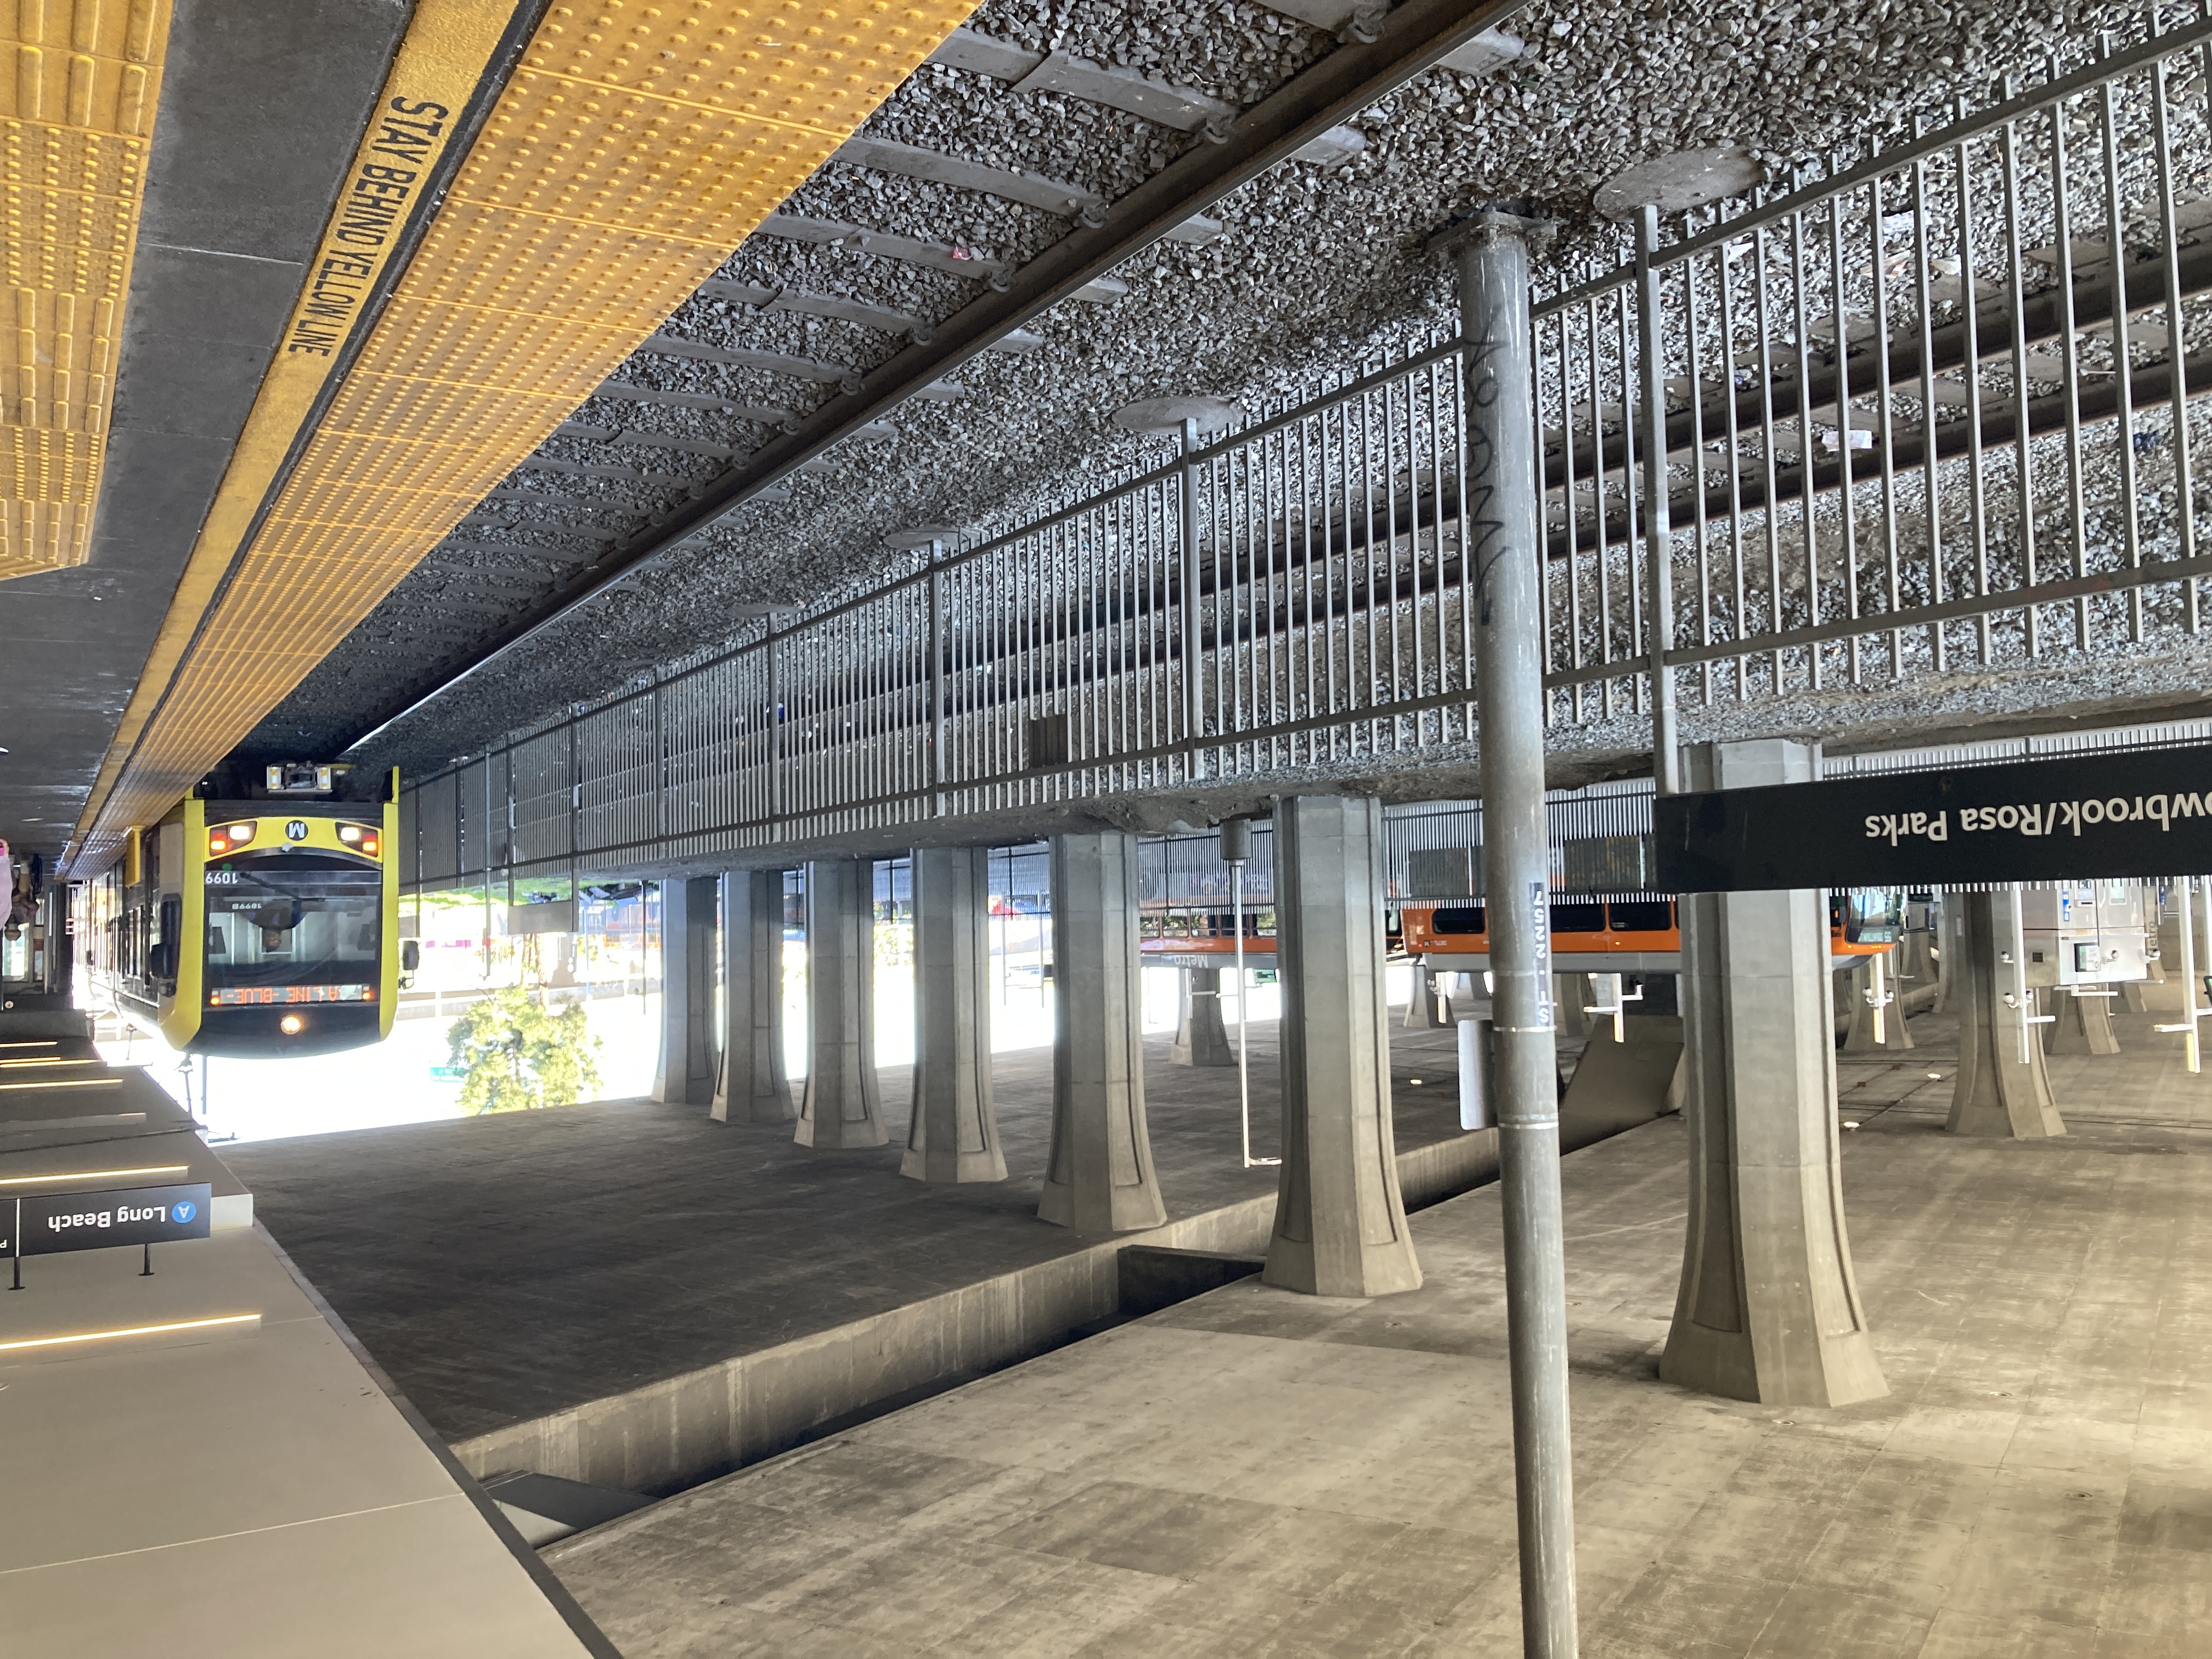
[{"x": 256, "y": 929}]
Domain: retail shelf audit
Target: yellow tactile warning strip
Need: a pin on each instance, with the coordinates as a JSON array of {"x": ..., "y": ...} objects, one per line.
[
  {"x": 636, "y": 144},
  {"x": 78, "y": 82}
]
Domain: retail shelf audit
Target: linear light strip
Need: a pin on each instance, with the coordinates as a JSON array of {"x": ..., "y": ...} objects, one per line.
[
  {"x": 70, "y": 1082},
  {"x": 92, "y": 1175},
  {"x": 220, "y": 1320}
]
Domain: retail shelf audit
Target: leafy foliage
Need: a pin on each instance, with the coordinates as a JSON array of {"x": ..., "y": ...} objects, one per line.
[{"x": 514, "y": 1054}]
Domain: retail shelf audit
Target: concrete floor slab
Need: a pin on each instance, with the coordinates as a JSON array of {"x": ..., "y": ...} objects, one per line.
[
  {"x": 193, "y": 1489},
  {"x": 614, "y": 1245},
  {"x": 1257, "y": 1472}
]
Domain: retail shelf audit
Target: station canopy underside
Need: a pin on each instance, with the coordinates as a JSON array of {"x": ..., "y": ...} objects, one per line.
[{"x": 712, "y": 418}]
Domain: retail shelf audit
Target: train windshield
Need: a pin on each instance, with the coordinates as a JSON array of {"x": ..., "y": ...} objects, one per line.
[
  {"x": 1873, "y": 918},
  {"x": 293, "y": 919}
]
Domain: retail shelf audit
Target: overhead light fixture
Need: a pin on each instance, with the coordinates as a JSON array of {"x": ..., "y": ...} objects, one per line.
[
  {"x": 1167, "y": 414},
  {"x": 1489, "y": 52},
  {"x": 1332, "y": 148},
  {"x": 1679, "y": 182},
  {"x": 906, "y": 541}
]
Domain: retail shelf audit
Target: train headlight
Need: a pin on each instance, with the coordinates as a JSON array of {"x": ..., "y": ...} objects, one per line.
[
  {"x": 226, "y": 837},
  {"x": 291, "y": 1025},
  {"x": 350, "y": 833}
]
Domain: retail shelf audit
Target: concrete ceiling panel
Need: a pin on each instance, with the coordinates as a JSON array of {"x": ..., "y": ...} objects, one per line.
[{"x": 262, "y": 103}]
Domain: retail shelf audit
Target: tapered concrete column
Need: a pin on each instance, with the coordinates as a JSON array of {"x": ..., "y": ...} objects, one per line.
[
  {"x": 953, "y": 1134},
  {"x": 1339, "y": 1222},
  {"x": 1099, "y": 1178},
  {"x": 686, "y": 1068},
  {"x": 2132, "y": 996},
  {"x": 1914, "y": 963},
  {"x": 1201, "y": 1038},
  {"x": 1769, "y": 1307},
  {"x": 2080, "y": 1025},
  {"x": 843, "y": 1103},
  {"x": 1570, "y": 1000},
  {"x": 1951, "y": 951},
  {"x": 1867, "y": 982},
  {"x": 752, "y": 1086},
  {"x": 1996, "y": 1093},
  {"x": 1428, "y": 1009}
]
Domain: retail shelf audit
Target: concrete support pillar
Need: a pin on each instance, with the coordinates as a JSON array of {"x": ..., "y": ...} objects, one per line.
[
  {"x": 2081, "y": 1025},
  {"x": 1872, "y": 977},
  {"x": 1996, "y": 1092},
  {"x": 953, "y": 1134},
  {"x": 1201, "y": 1038},
  {"x": 1428, "y": 1009},
  {"x": 1913, "y": 963},
  {"x": 843, "y": 1102},
  {"x": 1339, "y": 1221},
  {"x": 751, "y": 1086},
  {"x": 1949, "y": 951},
  {"x": 1571, "y": 998},
  {"x": 686, "y": 1068},
  {"x": 1769, "y": 1307},
  {"x": 1099, "y": 1178}
]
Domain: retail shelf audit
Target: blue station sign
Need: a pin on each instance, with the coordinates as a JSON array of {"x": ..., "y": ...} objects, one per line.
[{"x": 54, "y": 1222}]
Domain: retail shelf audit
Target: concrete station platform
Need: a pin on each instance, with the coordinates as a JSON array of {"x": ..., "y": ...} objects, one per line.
[
  {"x": 506, "y": 1270},
  {"x": 1258, "y": 1472},
  {"x": 194, "y": 1461}
]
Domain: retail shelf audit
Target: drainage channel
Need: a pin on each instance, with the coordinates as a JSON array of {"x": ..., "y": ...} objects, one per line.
[{"x": 581, "y": 1468}]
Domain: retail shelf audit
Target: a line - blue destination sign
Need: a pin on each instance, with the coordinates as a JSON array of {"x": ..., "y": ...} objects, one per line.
[
  {"x": 55, "y": 1222},
  {"x": 2142, "y": 814}
]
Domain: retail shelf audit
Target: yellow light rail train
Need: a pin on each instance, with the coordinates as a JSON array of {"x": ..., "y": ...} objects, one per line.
[{"x": 259, "y": 921}]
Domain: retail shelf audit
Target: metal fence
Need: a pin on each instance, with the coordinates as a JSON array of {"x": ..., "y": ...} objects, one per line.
[{"x": 1928, "y": 410}]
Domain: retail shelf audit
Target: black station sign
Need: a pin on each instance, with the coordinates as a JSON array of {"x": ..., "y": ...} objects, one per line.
[
  {"x": 55, "y": 1222},
  {"x": 2142, "y": 814}
]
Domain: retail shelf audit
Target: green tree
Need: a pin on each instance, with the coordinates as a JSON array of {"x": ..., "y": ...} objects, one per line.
[{"x": 514, "y": 1054}]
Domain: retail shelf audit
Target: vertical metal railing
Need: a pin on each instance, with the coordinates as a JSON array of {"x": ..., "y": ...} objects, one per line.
[{"x": 1929, "y": 411}]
